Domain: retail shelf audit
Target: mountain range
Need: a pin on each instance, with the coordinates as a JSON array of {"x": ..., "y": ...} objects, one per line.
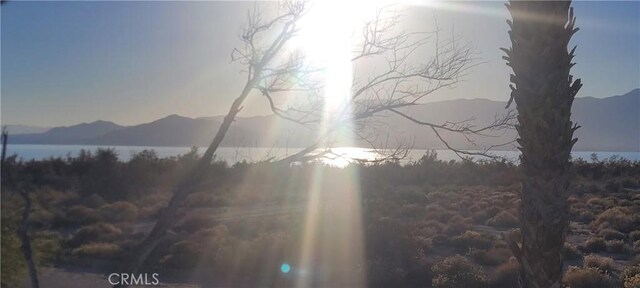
[{"x": 607, "y": 124}]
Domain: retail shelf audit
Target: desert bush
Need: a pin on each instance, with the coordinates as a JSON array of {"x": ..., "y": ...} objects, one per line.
[
  {"x": 194, "y": 223},
  {"x": 491, "y": 257},
  {"x": 632, "y": 282},
  {"x": 41, "y": 218},
  {"x": 630, "y": 272},
  {"x": 587, "y": 278},
  {"x": 617, "y": 246},
  {"x": 504, "y": 220},
  {"x": 97, "y": 250},
  {"x": 616, "y": 218},
  {"x": 184, "y": 255},
  {"x": 93, "y": 201},
  {"x": 470, "y": 239},
  {"x": 456, "y": 225},
  {"x": 457, "y": 271},
  {"x": 611, "y": 234},
  {"x": 604, "y": 264},
  {"x": 634, "y": 235},
  {"x": 595, "y": 244},
  {"x": 82, "y": 215},
  {"x": 118, "y": 212},
  {"x": 98, "y": 232},
  {"x": 505, "y": 275},
  {"x": 571, "y": 252}
]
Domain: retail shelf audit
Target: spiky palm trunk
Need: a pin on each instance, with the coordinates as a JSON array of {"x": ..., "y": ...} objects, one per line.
[{"x": 543, "y": 91}]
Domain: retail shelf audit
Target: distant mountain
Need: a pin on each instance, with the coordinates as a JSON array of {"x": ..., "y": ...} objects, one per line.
[
  {"x": 608, "y": 124},
  {"x": 83, "y": 133},
  {"x": 25, "y": 129}
]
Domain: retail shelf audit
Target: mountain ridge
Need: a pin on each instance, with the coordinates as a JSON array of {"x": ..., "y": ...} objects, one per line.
[{"x": 608, "y": 124}]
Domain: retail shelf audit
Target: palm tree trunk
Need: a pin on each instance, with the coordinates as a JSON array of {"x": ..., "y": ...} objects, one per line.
[{"x": 543, "y": 91}]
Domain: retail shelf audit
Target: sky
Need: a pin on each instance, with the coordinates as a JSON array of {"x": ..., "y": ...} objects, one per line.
[{"x": 63, "y": 63}]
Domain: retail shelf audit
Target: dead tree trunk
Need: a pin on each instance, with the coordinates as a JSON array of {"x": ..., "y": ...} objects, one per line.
[
  {"x": 544, "y": 92},
  {"x": 257, "y": 60}
]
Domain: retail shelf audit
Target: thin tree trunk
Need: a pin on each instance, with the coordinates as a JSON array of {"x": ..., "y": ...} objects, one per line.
[
  {"x": 543, "y": 92},
  {"x": 23, "y": 230},
  {"x": 182, "y": 190},
  {"x": 23, "y": 234}
]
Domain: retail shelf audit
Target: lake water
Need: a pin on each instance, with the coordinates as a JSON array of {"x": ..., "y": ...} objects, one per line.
[{"x": 341, "y": 156}]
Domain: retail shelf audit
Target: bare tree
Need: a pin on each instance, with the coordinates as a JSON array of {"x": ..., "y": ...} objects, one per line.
[
  {"x": 413, "y": 66},
  {"x": 544, "y": 92},
  {"x": 258, "y": 64},
  {"x": 275, "y": 71},
  {"x": 23, "y": 229}
]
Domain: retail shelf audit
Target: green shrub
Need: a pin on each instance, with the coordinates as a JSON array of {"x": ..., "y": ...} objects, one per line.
[{"x": 457, "y": 271}]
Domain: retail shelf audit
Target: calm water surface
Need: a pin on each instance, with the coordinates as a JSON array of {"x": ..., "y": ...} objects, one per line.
[{"x": 341, "y": 156}]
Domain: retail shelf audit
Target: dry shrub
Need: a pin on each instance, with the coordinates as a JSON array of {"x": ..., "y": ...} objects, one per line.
[
  {"x": 611, "y": 234},
  {"x": 41, "y": 217},
  {"x": 634, "y": 235},
  {"x": 470, "y": 239},
  {"x": 600, "y": 203},
  {"x": 506, "y": 275},
  {"x": 118, "y": 211},
  {"x": 456, "y": 225},
  {"x": 94, "y": 201},
  {"x": 491, "y": 257},
  {"x": 630, "y": 272},
  {"x": 587, "y": 278},
  {"x": 482, "y": 215},
  {"x": 570, "y": 251},
  {"x": 504, "y": 220},
  {"x": 98, "y": 232},
  {"x": 616, "y": 218},
  {"x": 617, "y": 246},
  {"x": 184, "y": 254},
  {"x": 97, "y": 250},
  {"x": 604, "y": 264},
  {"x": 194, "y": 223},
  {"x": 83, "y": 214},
  {"x": 595, "y": 244},
  {"x": 632, "y": 282},
  {"x": 457, "y": 271}
]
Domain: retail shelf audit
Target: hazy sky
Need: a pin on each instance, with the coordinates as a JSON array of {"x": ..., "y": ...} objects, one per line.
[{"x": 132, "y": 62}]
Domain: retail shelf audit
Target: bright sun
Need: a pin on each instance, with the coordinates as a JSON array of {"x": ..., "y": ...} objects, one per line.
[{"x": 327, "y": 34}]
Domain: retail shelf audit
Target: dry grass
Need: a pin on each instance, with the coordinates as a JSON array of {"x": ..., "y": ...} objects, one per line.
[
  {"x": 604, "y": 264},
  {"x": 587, "y": 278}
]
